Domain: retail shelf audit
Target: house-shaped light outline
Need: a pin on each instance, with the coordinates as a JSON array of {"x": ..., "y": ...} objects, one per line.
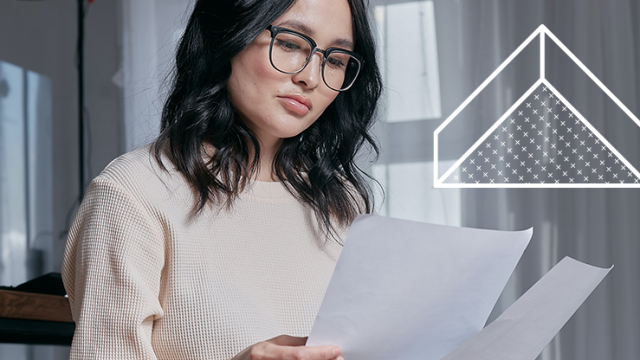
[{"x": 542, "y": 32}]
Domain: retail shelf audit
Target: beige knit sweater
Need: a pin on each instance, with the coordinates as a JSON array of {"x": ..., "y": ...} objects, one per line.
[{"x": 147, "y": 281}]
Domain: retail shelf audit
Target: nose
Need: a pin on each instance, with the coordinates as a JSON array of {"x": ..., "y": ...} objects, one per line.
[{"x": 311, "y": 75}]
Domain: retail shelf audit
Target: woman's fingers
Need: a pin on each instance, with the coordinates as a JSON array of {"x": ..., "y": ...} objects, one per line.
[
  {"x": 303, "y": 352},
  {"x": 273, "y": 350},
  {"x": 286, "y": 340}
]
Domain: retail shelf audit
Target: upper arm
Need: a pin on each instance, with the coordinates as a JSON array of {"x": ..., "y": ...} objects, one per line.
[{"x": 112, "y": 271}]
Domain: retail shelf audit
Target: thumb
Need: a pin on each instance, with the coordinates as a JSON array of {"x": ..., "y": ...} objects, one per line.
[{"x": 285, "y": 340}]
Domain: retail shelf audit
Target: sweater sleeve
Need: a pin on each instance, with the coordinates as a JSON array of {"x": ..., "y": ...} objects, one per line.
[{"x": 111, "y": 270}]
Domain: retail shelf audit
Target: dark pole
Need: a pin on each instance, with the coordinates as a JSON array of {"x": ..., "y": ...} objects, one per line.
[{"x": 81, "y": 98}]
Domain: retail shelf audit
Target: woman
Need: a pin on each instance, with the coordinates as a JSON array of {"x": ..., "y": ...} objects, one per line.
[{"x": 224, "y": 232}]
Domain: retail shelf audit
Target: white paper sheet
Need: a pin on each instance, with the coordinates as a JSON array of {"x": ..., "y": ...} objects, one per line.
[
  {"x": 527, "y": 326},
  {"x": 409, "y": 290}
]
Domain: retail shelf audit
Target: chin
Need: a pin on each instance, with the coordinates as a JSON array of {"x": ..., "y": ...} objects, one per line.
[
  {"x": 292, "y": 127},
  {"x": 287, "y": 134}
]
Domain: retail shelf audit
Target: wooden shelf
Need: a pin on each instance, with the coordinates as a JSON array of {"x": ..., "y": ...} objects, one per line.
[
  {"x": 32, "y": 306},
  {"x": 30, "y": 318}
]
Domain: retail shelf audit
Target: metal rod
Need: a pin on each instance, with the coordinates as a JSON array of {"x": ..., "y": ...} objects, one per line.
[{"x": 80, "y": 52}]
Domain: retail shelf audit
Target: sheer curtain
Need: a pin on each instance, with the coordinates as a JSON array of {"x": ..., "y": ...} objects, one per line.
[
  {"x": 434, "y": 55},
  {"x": 151, "y": 30}
]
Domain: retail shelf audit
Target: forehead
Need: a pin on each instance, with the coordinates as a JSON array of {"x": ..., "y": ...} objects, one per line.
[{"x": 327, "y": 21}]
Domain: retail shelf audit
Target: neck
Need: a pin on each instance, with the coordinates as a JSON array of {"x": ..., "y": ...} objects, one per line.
[
  {"x": 268, "y": 149},
  {"x": 267, "y": 154}
]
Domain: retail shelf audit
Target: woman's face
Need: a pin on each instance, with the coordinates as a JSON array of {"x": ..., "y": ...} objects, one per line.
[{"x": 272, "y": 104}]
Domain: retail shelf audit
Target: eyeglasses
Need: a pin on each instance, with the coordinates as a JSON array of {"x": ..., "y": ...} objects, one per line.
[{"x": 291, "y": 51}]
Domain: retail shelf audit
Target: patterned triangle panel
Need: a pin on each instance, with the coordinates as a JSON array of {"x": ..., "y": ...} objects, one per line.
[{"x": 542, "y": 142}]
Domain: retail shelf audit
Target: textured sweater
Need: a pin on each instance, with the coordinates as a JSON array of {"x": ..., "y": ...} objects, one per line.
[{"x": 148, "y": 280}]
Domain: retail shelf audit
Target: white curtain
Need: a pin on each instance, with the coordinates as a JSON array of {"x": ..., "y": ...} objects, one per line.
[
  {"x": 426, "y": 81},
  {"x": 151, "y": 30}
]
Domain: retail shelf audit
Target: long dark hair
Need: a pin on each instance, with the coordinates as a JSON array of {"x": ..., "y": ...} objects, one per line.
[{"x": 318, "y": 164}]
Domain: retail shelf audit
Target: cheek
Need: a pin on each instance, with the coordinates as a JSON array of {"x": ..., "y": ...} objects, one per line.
[
  {"x": 250, "y": 71},
  {"x": 260, "y": 72},
  {"x": 327, "y": 96},
  {"x": 250, "y": 81}
]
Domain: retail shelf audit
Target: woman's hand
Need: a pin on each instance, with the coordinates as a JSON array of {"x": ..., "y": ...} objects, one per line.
[{"x": 285, "y": 347}]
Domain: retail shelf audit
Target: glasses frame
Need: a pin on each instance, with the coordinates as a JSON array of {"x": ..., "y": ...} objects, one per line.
[{"x": 275, "y": 30}]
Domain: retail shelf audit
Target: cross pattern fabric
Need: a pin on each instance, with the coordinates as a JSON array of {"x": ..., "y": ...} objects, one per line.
[{"x": 542, "y": 142}]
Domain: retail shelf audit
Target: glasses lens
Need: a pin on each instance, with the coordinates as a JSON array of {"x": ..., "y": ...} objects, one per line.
[
  {"x": 289, "y": 52},
  {"x": 340, "y": 70}
]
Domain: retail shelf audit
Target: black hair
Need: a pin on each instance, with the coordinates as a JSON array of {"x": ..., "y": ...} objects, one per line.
[{"x": 317, "y": 166}]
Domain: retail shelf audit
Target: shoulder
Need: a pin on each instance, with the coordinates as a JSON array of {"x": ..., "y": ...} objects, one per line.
[
  {"x": 136, "y": 164},
  {"x": 139, "y": 174}
]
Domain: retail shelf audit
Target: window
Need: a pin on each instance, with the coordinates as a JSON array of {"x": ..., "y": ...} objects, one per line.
[
  {"x": 409, "y": 60},
  {"x": 408, "y": 57},
  {"x": 410, "y": 194},
  {"x": 25, "y": 174}
]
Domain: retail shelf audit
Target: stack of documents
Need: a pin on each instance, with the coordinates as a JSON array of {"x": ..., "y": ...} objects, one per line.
[{"x": 409, "y": 290}]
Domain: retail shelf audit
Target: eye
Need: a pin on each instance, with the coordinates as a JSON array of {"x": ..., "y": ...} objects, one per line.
[
  {"x": 335, "y": 62},
  {"x": 338, "y": 60},
  {"x": 287, "y": 45}
]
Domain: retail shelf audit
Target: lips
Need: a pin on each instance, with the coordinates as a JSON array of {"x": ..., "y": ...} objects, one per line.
[{"x": 296, "y": 103}]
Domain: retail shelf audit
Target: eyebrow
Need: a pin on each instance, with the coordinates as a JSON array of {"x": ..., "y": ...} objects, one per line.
[{"x": 296, "y": 25}]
